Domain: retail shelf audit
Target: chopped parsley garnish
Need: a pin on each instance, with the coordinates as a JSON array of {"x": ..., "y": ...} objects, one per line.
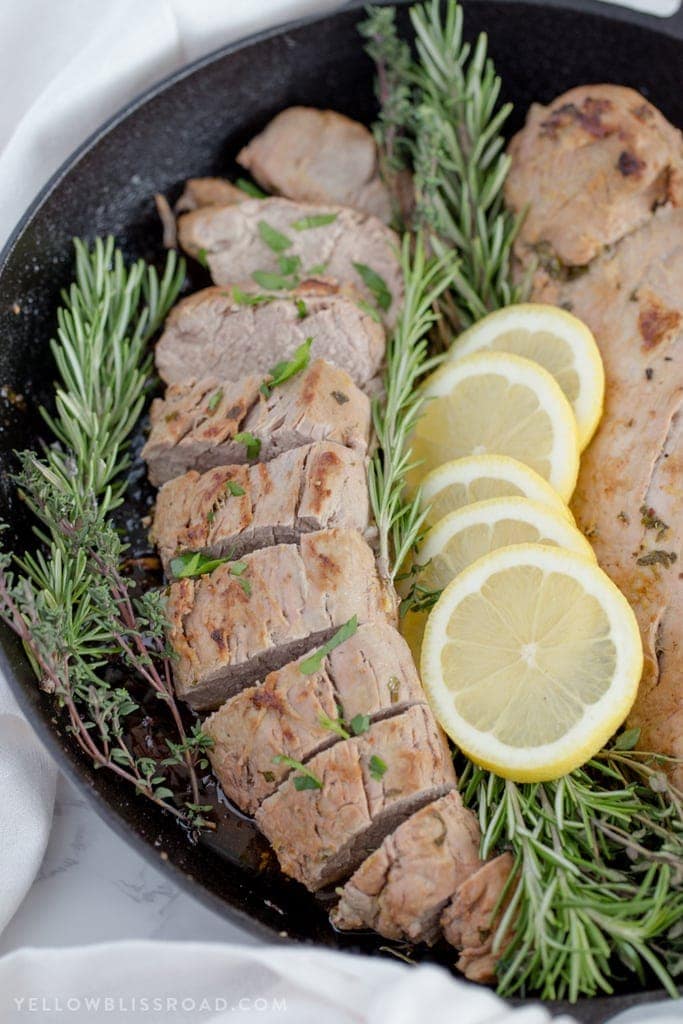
[
  {"x": 252, "y": 444},
  {"x": 377, "y": 767},
  {"x": 306, "y": 779},
  {"x": 301, "y": 308},
  {"x": 250, "y": 188},
  {"x": 215, "y": 400},
  {"x": 658, "y": 557},
  {"x": 202, "y": 257},
  {"x": 287, "y": 368},
  {"x": 235, "y": 489},
  {"x": 394, "y": 685},
  {"x": 273, "y": 282},
  {"x": 273, "y": 238},
  {"x": 628, "y": 740},
  {"x": 313, "y": 663},
  {"x": 334, "y": 725},
  {"x": 316, "y": 269},
  {"x": 289, "y": 265},
  {"x": 315, "y": 220},
  {"x": 366, "y": 307},
  {"x": 651, "y": 521},
  {"x": 194, "y": 563},
  {"x": 250, "y": 299},
  {"x": 376, "y": 284},
  {"x": 359, "y": 724}
]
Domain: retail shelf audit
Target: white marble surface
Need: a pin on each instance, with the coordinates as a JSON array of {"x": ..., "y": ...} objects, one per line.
[{"x": 93, "y": 887}]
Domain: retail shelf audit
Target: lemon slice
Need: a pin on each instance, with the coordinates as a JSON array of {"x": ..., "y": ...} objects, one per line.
[
  {"x": 461, "y": 537},
  {"x": 497, "y": 403},
  {"x": 531, "y": 660},
  {"x": 480, "y": 477},
  {"x": 560, "y": 342}
]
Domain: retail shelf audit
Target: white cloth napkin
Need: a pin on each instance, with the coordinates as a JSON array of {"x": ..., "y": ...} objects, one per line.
[{"x": 65, "y": 68}]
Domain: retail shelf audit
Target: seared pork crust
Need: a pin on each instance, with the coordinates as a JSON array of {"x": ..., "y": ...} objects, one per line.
[
  {"x": 230, "y": 239},
  {"x": 237, "y": 509},
  {"x": 209, "y": 334},
  {"x": 194, "y": 426},
  {"x": 591, "y": 167},
  {"x": 468, "y": 921},
  {"x": 372, "y": 673},
  {"x": 368, "y": 785},
  {"x": 226, "y": 635},
  {"x": 318, "y": 156},
  {"x": 402, "y": 888},
  {"x": 209, "y": 192},
  {"x": 629, "y": 495}
]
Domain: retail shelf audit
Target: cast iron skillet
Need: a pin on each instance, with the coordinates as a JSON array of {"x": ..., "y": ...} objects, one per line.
[{"x": 192, "y": 124}]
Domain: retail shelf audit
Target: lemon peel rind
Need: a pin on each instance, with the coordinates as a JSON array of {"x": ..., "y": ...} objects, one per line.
[
  {"x": 503, "y": 467},
  {"x": 517, "y": 370},
  {"x": 588, "y": 407},
  {"x": 600, "y": 720}
]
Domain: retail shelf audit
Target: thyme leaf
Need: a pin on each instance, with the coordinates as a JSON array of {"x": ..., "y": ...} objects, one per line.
[
  {"x": 314, "y": 220},
  {"x": 273, "y": 238},
  {"x": 251, "y": 443},
  {"x": 250, "y": 188},
  {"x": 305, "y": 779},
  {"x": 288, "y": 368},
  {"x": 376, "y": 284},
  {"x": 314, "y": 661}
]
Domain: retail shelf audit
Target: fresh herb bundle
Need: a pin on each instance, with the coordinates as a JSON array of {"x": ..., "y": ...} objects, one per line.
[
  {"x": 597, "y": 878},
  {"x": 440, "y": 117},
  {"x": 86, "y": 632}
]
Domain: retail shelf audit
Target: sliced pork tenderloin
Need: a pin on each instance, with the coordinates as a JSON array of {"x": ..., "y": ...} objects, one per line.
[
  {"x": 195, "y": 425},
  {"x": 209, "y": 192},
  {"x": 402, "y": 888},
  {"x": 469, "y": 922},
  {"x": 294, "y": 241},
  {"x": 371, "y": 674},
  {"x": 362, "y": 789},
  {"x": 628, "y": 498},
  {"x": 210, "y": 334},
  {"x": 237, "y": 509},
  {"x": 228, "y": 630},
  {"x": 318, "y": 156},
  {"x": 588, "y": 169}
]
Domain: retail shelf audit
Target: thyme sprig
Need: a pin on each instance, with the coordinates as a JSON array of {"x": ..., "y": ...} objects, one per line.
[
  {"x": 87, "y": 634},
  {"x": 441, "y": 117},
  {"x": 399, "y": 517}
]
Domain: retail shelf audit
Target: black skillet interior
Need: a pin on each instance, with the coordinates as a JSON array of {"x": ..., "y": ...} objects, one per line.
[{"x": 193, "y": 124}]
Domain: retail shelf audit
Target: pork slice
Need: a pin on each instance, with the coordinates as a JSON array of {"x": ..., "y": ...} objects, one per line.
[
  {"x": 194, "y": 426},
  {"x": 371, "y": 673},
  {"x": 317, "y": 487},
  {"x": 630, "y": 478},
  {"x": 210, "y": 334},
  {"x": 318, "y": 156},
  {"x": 208, "y": 192},
  {"x": 230, "y": 241},
  {"x": 591, "y": 167},
  {"x": 402, "y": 888},
  {"x": 468, "y": 921},
  {"x": 368, "y": 785},
  {"x": 297, "y": 596}
]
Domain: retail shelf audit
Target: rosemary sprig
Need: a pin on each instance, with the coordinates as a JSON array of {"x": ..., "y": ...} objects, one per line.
[
  {"x": 69, "y": 603},
  {"x": 399, "y": 517},
  {"x": 598, "y": 875},
  {"x": 440, "y": 114},
  {"x": 598, "y": 853}
]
